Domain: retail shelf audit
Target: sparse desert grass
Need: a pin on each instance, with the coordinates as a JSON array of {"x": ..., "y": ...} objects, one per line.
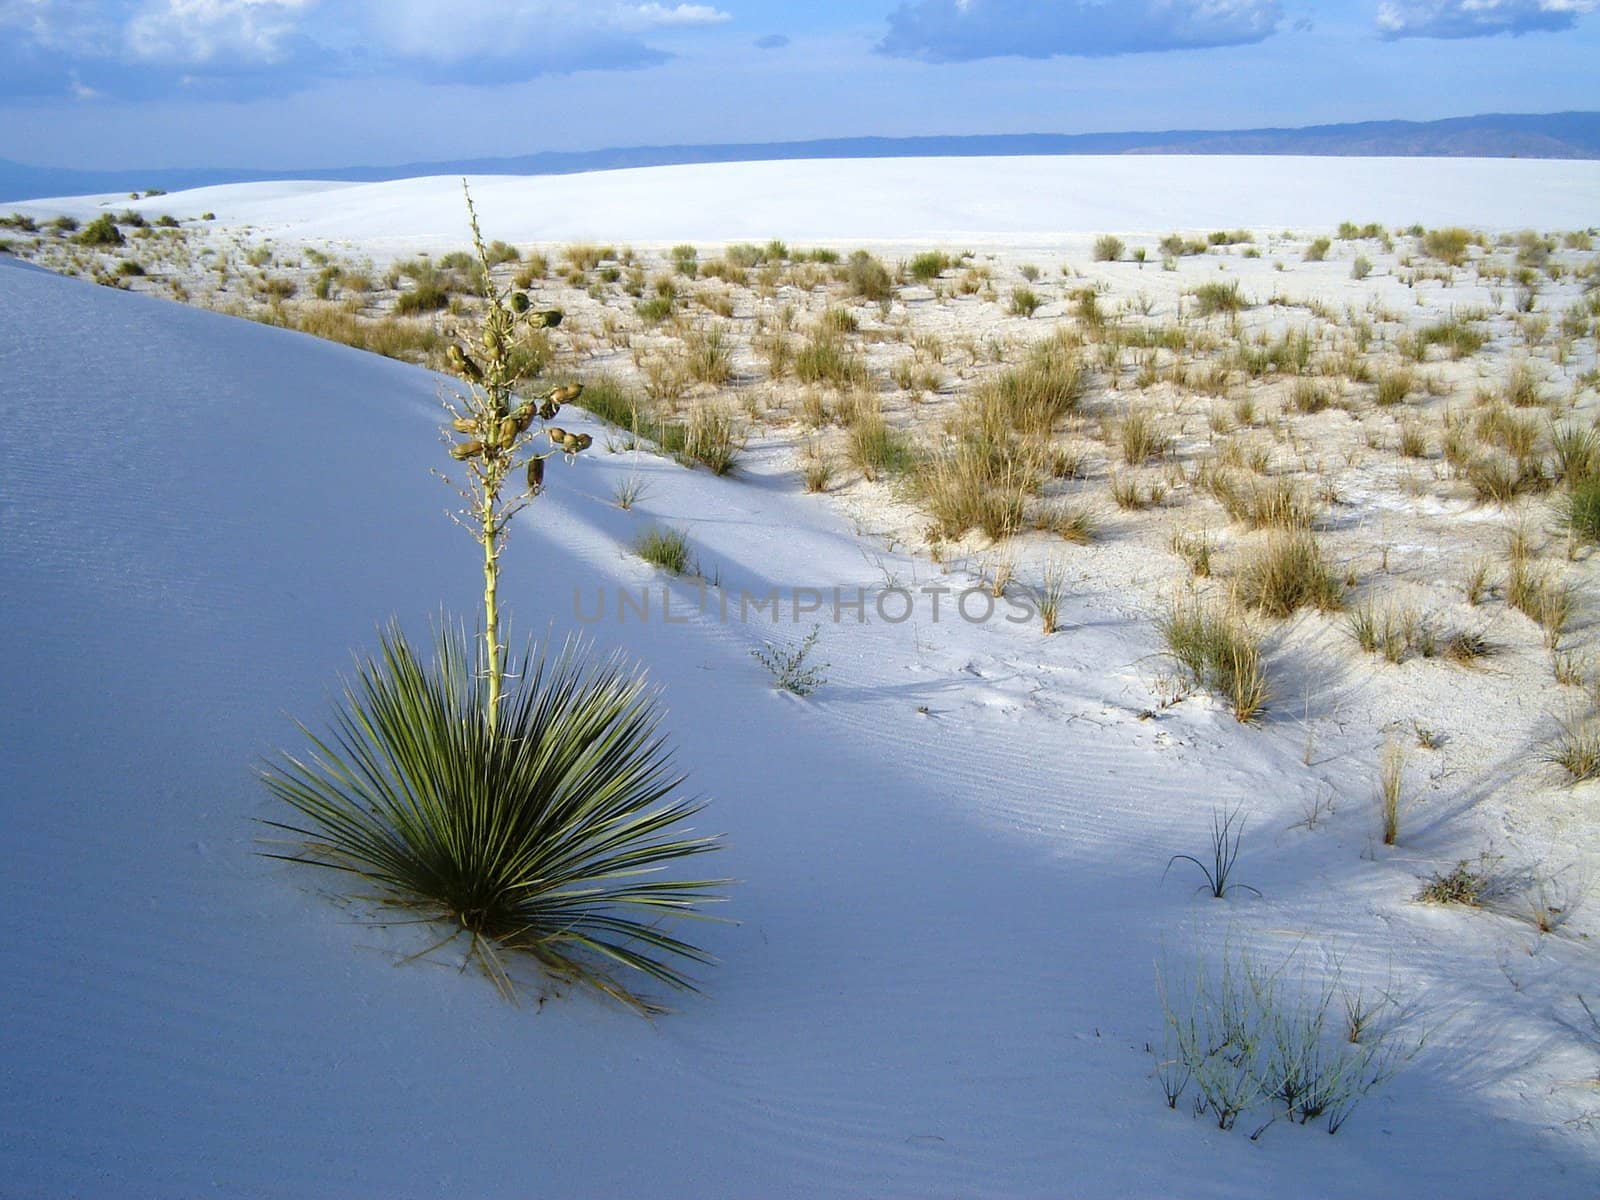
[
  {"x": 1287, "y": 573},
  {"x": 867, "y": 277},
  {"x": 1456, "y": 335},
  {"x": 1576, "y": 748},
  {"x": 1541, "y": 595},
  {"x": 1216, "y": 297},
  {"x": 1244, "y": 1040},
  {"x": 929, "y": 265},
  {"x": 1262, "y": 503},
  {"x": 1051, "y": 592},
  {"x": 1141, "y": 437},
  {"x": 1467, "y": 883},
  {"x": 1025, "y": 301},
  {"x": 709, "y": 355},
  {"x": 1581, "y": 511},
  {"x": 1394, "y": 386},
  {"x": 826, "y": 357},
  {"x": 712, "y": 439},
  {"x": 1391, "y": 790},
  {"x": 1448, "y": 245},
  {"x": 1108, "y": 248},
  {"x": 1071, "y": 521},
  {"x": 1194, "y": 547},
  {"x": 1318, "y": 250},
  {"x": 1218, "y": 651},
  {"x": 817, "y": 467},
  {"x": 968, "y": 487},
  {"x": 665, "y": 547},
  {"x": 876, "y": 449}
]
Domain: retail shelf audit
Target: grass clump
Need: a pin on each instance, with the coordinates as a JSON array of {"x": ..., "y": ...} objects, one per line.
[
  {"x": 666, "y": 548},
  {"x": 1108, "y": 248},
  {"x": 874, "y": 448},
  {"x": 1218, "y": 652},
  {"x": 1467, "y": 883},
  {"x": 1576, "y": 748},
  {"x": 1262, "y": 503},
  {"x": 1581, "y": 510},
  {"x": 711, "y": 439},
  {"x": 1217, "y": 297},
  {"x": 1391, "y": 790},
  {"x": 102, "y": 231},
  {"x": 826, "y": 357},
  {"x": 929, "y": 265},
  {"x": 1025, "y": 301},
  {"x": 1287, "y": 574},
  {"x": 969, "y": 487},
  {"x": 1456, "y": 335},
  {"x": 1447, "y": 245},
  {"x": 1244, "y": 1043},
  {"x": 867, "y": 277}
]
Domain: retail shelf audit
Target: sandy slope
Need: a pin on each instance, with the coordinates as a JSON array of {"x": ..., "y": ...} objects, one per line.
[
  {"x": 942, "y": 978},
  {"x": 1033, "y": 200}
]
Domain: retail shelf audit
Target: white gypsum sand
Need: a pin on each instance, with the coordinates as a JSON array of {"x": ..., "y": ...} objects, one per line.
[{"x": 952, "y": 904}]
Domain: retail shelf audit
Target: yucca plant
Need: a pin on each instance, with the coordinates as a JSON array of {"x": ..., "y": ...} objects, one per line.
[
  {"x": 531, "y": 819},
  {"x": 537, "y": 833}
]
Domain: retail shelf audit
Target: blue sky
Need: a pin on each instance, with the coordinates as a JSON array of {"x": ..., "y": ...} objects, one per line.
[{"x": 283, "y": 83}]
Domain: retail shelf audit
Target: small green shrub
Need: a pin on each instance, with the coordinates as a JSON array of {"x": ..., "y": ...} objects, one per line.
[
  {"x": 102, "y": 231},
  {"x": 1318, "y": 250},
  {"x": 424, "y": 298},
  {"x": 867, "y": 277},
  {"x": 1108, "y": 248},
  {"x": 1025, "y": 301},
  {"x": 791, "y": 669},
  {"x": 929, "y": 265},
  {"x": 1447, "y": 245}
]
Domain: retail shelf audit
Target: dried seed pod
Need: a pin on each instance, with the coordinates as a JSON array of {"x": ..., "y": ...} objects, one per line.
[
  {"x": 536, "y": 475},
  {"x": 556, "y": 434},
  {"x": 508, "y": 431},
  {"x": 493, "y": 342},
  {"x": 569, "y": 443},
  {"x": 566, "y": 394},
  {"x": 548, "y": 319},
  {"x": 466, "y": 450},
  {"x": 464, "y": 425},
  {"x": 549, "y": 409},
  {"x": 524, "y": 417},
  {"x": 462, "y": 362},
  {"x": 584, "y": 441},
  {"x": 519, "y": 302}
]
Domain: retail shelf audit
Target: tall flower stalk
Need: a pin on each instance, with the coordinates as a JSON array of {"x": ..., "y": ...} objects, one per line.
[{"x": 502, "y": 440}]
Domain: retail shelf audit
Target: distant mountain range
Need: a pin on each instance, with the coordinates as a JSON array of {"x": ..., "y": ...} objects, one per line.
[{"x": 1494, "y": 135}]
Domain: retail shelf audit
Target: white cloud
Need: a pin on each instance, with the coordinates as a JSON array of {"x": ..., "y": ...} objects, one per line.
[
  {"x": 1477, "y": 18},
  {"x": 143, "y": 47},
  {"x": 962, "y": 30},
  {"x": 199, "y": 32}
]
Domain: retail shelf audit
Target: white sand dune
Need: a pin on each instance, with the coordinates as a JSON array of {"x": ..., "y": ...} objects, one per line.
[
  {"x": 1032, "y": 200},
  {"x": 942, "y": 976}
]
